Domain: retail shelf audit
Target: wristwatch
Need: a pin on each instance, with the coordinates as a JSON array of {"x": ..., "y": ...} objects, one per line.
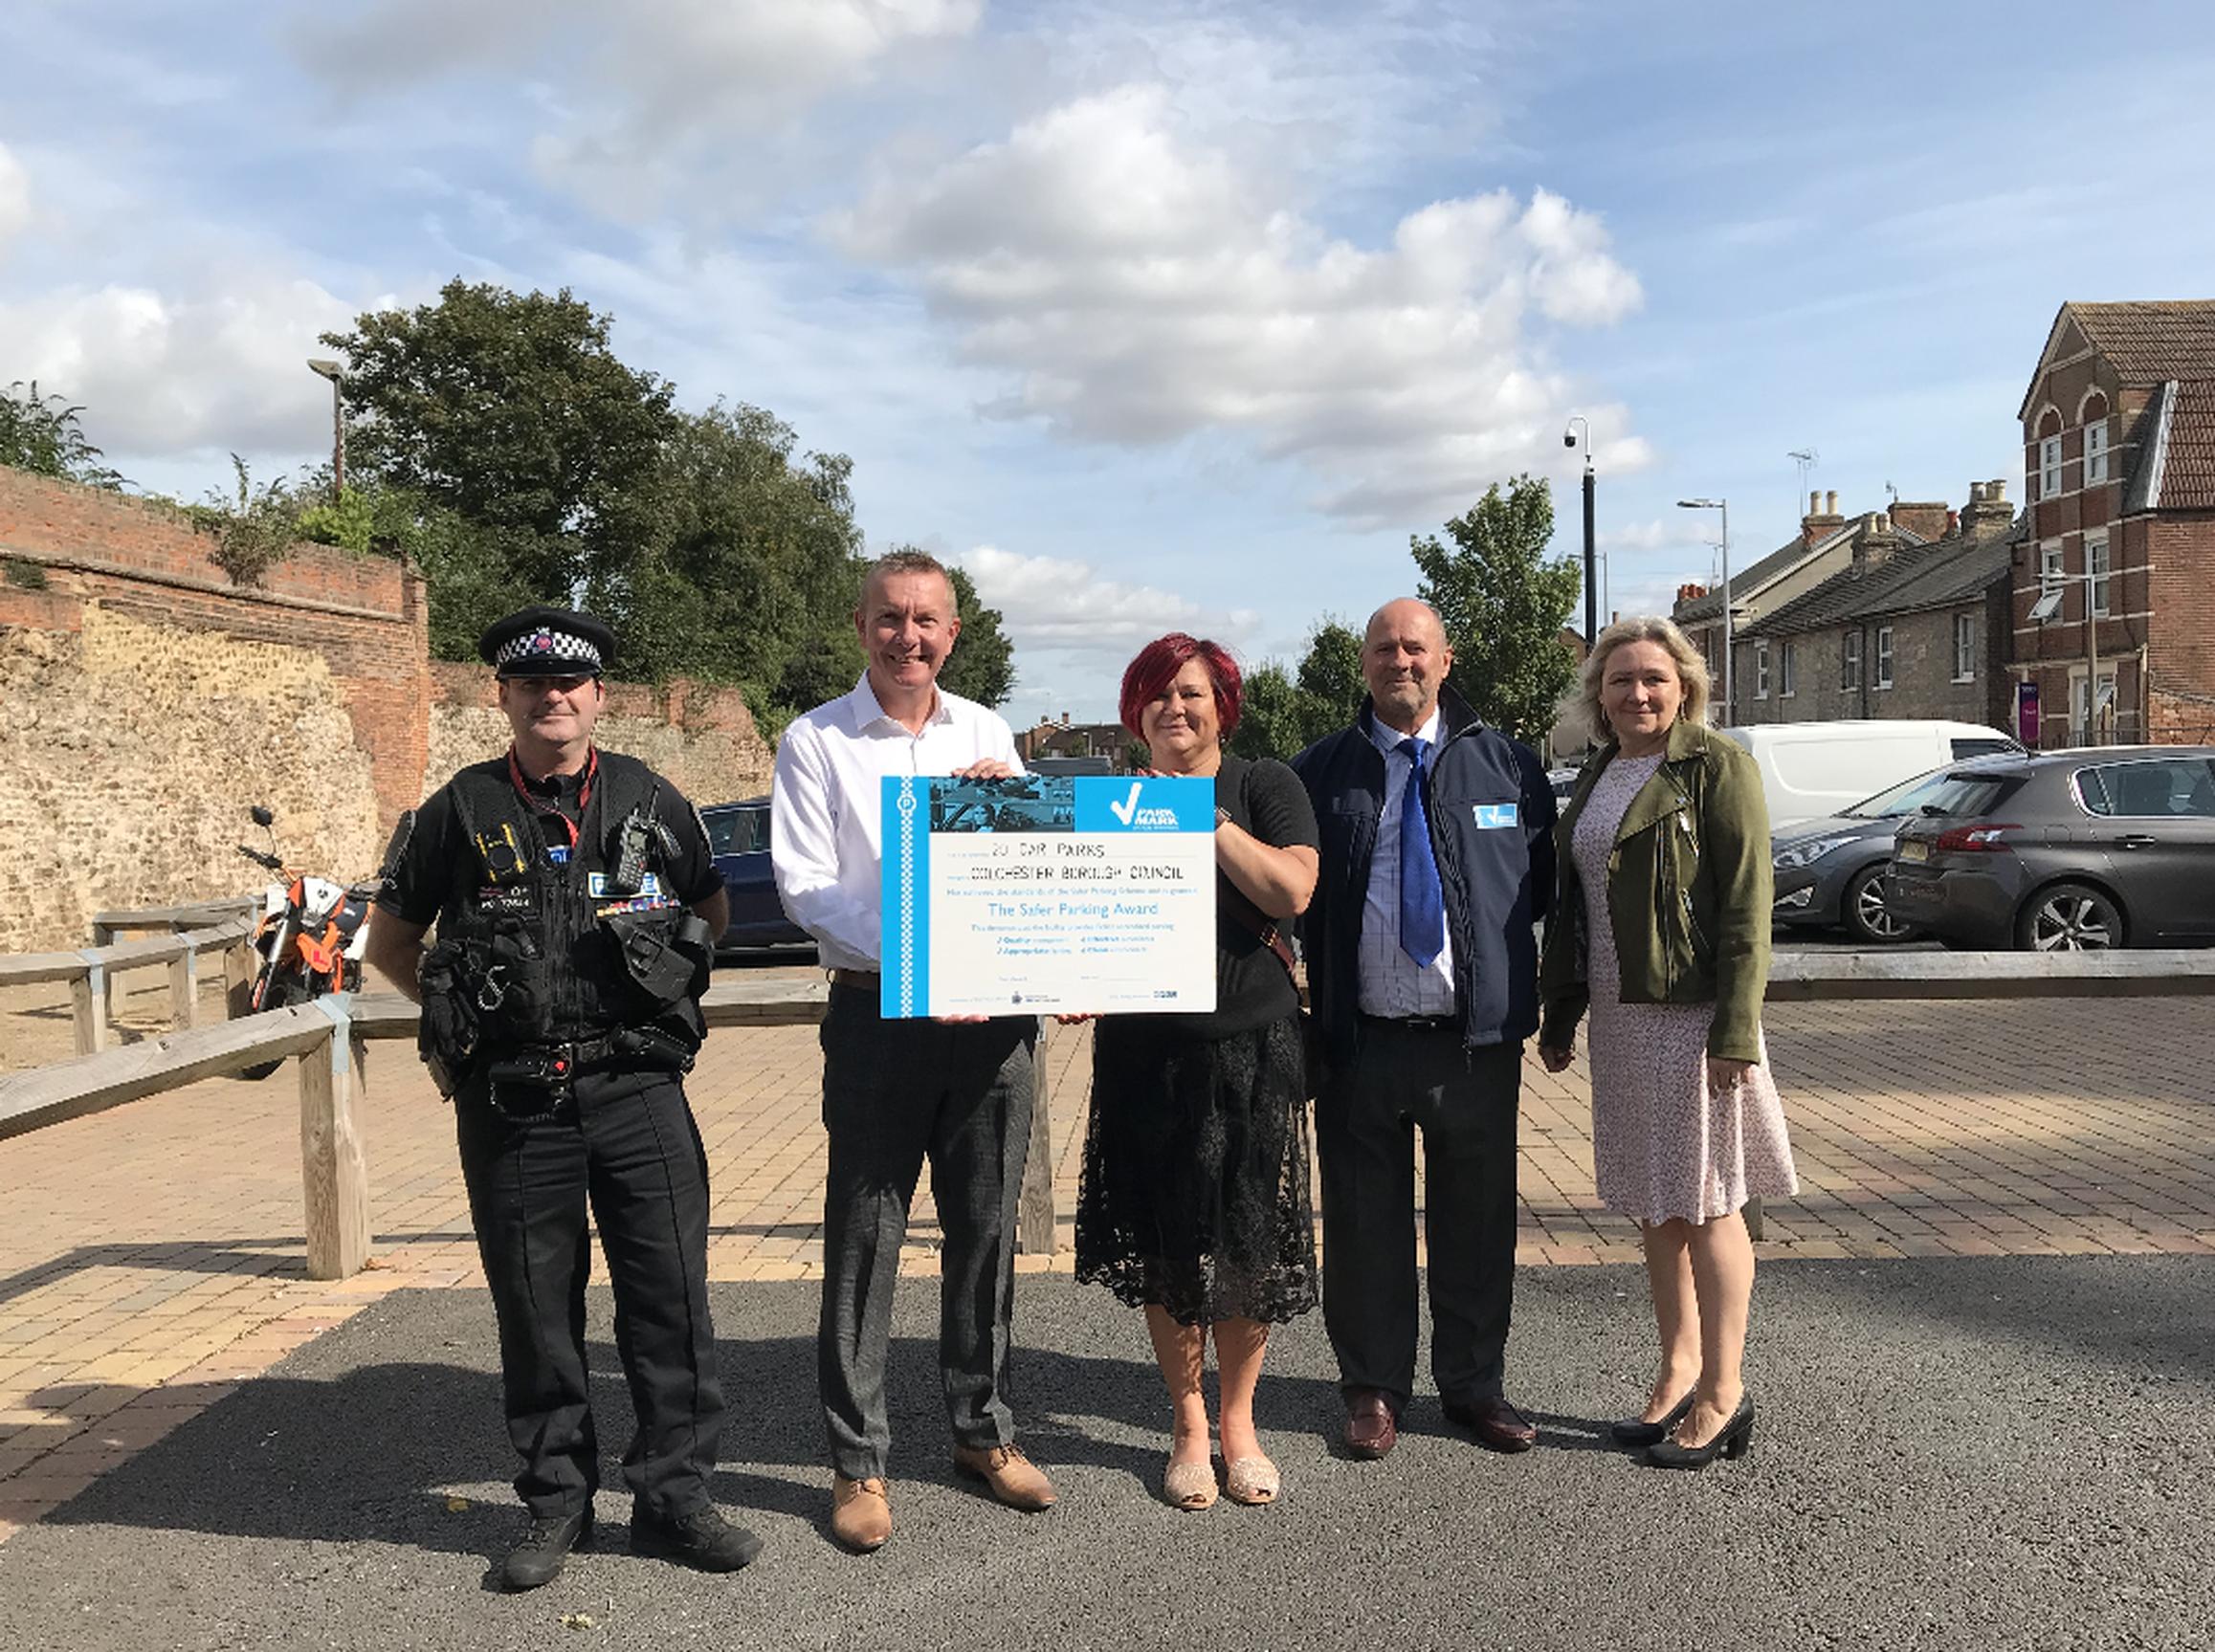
[{"x": 1222, "y": 817}]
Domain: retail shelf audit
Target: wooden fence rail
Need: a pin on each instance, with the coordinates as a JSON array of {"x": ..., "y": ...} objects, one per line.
[
  {"x": 331, "y": 1036},
  {"x": 91, "y": 974}
]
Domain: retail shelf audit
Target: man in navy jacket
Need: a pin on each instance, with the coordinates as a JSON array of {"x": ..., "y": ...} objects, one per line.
[{"x": 1422, "y": 959}]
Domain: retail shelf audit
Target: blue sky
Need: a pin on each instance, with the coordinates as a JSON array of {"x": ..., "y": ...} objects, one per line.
[{"x": 1154, "y": 316}]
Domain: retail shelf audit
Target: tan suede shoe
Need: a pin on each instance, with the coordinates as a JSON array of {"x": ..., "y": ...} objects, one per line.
[
  {"x": 861, "y": 1512},
  {"x": 1008, "y": 1475}
]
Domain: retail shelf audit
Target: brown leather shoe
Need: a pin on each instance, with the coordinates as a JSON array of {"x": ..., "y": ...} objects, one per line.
[
  {"x": 1372, "y": 1424},
  {"x": 861, "y": 1512},
  {"x": 1497, "y": 1426},
  {"x": 1008, "y": 1475}
]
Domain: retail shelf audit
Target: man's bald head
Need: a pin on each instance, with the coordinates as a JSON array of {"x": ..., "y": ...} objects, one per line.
[
  {"x": 1403, "y": 611},
  {"x": 1405, "y": 659}
]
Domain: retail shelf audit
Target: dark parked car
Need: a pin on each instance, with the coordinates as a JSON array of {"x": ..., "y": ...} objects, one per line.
[
  {"x": 739, "y": 834},
  {"x": 1830, "y": 872},
  {"x": 2110, "y": 846}
]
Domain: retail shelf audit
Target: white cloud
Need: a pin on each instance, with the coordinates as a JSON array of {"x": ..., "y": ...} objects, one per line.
[
  {"x": 1647, "y": 536},
  {"x": 637, "y": 98},
  {"x": 1134, "y": 286},
  {"x": 215, "y": 364},
  {"x": 14, "y": 198},
  {"x": 1068, "y": 607}
]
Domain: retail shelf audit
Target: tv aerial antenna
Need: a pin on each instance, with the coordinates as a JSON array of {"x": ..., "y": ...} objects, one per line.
[{"x": 1803, "y": 459}]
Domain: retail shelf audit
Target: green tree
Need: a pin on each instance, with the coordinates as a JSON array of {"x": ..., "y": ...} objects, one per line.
[
  {"x": 1330, "y": 677},
  {"x": 982, "y": 667},
  {"x": 1288, "y": 710},
  {"x": 41, "y": 433},
  {"x": 1504, "y": 605},
  {"x": 1272, "y": 721},
  {"x": 512, "y": 410},
  {"x": 750, "y": 557}
]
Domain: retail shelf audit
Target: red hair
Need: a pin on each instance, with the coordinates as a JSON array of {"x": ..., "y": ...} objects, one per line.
[{"x": 1157, "y": 666}]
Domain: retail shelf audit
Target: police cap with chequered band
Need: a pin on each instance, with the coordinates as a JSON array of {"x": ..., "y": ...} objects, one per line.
[{"x": 543, "y": 642}]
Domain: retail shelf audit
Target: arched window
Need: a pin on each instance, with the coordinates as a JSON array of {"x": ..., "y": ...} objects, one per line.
[
  {"x": 2048, "y": 462},
  {"x": 2091, "y": 413}
]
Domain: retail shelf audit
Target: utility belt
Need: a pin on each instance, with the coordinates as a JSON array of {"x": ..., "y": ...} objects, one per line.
[
  {"x": 488, "y": 1005},
  {"x": 539, "y": 1081}
]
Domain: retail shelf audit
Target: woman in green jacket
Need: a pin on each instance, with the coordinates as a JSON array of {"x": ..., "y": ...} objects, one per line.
[{"x": 1660, "y": 926}]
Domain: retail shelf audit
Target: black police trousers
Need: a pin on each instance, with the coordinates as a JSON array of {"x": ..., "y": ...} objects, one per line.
[{"x": 628, "y": 1146}]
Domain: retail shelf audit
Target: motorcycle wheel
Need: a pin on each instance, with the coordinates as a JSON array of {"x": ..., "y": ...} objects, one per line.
[{"x": 286, "y": 989}]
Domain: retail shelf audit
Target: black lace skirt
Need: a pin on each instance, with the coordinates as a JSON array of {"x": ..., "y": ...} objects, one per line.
[{"x": 1195, "y": 1189}]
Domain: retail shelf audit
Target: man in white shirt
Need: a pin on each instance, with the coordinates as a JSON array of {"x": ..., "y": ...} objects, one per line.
[{"x": 896, "y": 1091}]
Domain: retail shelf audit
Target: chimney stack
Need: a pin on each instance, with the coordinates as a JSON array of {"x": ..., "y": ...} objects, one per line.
[
  {"x": 1987, "y": 512},
  {"x": 1819, "y": 523},
  {"x": 1874, "y": 543}
]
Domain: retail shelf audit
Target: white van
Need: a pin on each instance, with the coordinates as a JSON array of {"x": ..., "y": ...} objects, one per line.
[{"x": 1812, "y": 770}]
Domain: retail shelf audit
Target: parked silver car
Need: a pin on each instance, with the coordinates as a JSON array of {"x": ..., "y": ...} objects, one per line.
[
  {"x": 1830, "y": 872},
  {"x": 2104, "y": 847}
]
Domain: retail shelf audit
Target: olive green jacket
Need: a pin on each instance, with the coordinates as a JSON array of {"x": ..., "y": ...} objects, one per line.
[{"x": 1689, "y": 892}]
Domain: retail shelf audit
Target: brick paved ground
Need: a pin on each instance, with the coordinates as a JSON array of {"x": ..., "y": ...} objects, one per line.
[{"x": 152, "y": 1256}]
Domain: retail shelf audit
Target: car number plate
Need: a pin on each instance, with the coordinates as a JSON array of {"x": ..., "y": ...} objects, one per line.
[{"x": 1912, "y": 850}]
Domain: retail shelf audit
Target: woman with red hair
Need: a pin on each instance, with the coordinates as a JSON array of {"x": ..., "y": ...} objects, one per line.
[{"x": 1195, "y": 1203}]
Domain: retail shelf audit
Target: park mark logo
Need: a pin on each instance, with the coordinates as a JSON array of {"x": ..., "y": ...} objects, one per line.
[{"x": 1140, "y": 819}]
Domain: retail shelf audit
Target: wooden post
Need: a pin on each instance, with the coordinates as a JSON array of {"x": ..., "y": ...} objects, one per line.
[
  {"x": 335, "y": 1176},
  {"x": 88, "y": 1000},
  {"x": 184, "y": 988},
  {"x": 238, "y": 962},
  {"x": 1035, "y": 1213}
]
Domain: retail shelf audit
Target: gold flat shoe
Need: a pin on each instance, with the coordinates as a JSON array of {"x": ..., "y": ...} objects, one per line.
[
  {"x": 1189, "y": 1486},
  {"x": 1252, "y": 1481}
]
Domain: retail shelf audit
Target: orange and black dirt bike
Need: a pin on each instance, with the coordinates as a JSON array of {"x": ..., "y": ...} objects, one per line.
[{"x": 313, "y": 930}]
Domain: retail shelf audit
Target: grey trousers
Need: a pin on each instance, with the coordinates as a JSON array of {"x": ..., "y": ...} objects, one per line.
[
  {"x": 895, "y": 1093},
  {"x": 1464, "y": 1101}
]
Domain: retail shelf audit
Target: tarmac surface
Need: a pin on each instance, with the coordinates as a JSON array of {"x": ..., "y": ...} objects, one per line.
[{"x": 1959, "y": 1452}]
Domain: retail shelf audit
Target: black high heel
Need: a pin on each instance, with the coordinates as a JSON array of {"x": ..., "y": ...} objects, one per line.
[
  {"x": 1734, "y": 1439},
  {"x": 1633, "y": 1432}
]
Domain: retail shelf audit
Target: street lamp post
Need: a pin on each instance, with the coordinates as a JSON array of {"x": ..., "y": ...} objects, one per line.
[
  {"x": 335, "y": 372},
  {"x": 1730, "y": 705},
  {"x": 1581, "y": 427}
]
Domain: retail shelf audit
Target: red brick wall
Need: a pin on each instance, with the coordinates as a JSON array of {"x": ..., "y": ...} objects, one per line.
[
  {"x": 2180, "y": 650},
  {"x": 366, "y": 615}
]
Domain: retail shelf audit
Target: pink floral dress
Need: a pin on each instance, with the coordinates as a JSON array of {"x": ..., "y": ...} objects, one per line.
[{"x": 1664, "y": 1144}]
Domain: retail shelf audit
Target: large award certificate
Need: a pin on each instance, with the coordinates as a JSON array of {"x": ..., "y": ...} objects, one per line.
[{"x": 1049, "y": 895}]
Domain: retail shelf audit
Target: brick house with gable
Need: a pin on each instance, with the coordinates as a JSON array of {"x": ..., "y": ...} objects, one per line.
[
  {"x": 1825, "y": 546},
  {"x": 2111, "y": 625},
  {"x": 1912, "y": 626}
]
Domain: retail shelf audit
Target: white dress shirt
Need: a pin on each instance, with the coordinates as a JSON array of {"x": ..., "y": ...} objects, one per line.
[
  {"x": 1391, "y": 983},
  {"x": 825, "y": 812}
]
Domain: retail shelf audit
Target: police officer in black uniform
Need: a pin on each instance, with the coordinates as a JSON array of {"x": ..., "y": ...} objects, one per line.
[{"x": 577, "y": 904}]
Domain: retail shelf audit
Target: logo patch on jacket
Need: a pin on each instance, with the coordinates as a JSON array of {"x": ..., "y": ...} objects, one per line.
[
  {"x": 1491, "y": 817},
  {"x": 599, "y": 887}
]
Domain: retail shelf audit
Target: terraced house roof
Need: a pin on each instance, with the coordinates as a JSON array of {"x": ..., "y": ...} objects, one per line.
[
  {"x": 1943, "y": 574},
  {"x": 2176, "y": 462}
]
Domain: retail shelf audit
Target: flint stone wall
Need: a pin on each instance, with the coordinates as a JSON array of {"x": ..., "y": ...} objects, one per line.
[{"x": 147, "y": 702}]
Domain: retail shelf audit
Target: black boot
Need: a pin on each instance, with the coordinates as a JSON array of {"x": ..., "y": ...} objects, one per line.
[
  {"x": 703, "y": 1539},
  {"x": 536, "y": 1557}
]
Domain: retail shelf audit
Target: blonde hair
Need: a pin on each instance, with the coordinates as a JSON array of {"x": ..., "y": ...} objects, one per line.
[{"x": 1582, "y": 703}]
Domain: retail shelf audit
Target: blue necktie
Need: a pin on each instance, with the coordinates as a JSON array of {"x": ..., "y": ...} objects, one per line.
[{"x": 1422, "y": 903}]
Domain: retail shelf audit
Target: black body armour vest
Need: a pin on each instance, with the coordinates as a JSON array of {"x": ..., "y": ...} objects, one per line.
[{"x": 543, "y": 927}]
